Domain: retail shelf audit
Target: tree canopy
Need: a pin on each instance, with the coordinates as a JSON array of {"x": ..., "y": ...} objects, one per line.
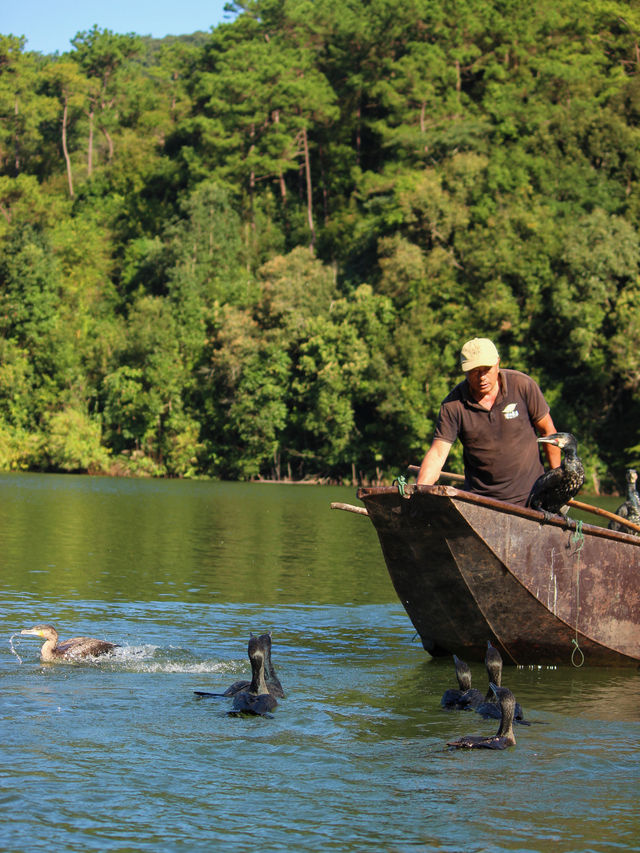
[{"x": 256, "y": 252}]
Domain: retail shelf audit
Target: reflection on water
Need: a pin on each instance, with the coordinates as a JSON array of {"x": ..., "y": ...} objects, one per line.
[
  {"x": 143, "y": 539},
  {"x": 125, "y": 757}
]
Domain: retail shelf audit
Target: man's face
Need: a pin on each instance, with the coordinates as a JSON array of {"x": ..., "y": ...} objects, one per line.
[{"x": 482, "y": 380}]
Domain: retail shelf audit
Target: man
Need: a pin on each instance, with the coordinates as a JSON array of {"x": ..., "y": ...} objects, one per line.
[{"x": 496, "y": 414}]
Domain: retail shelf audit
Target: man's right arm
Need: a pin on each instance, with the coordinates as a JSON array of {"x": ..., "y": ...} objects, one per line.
[{"x": 433, "y": 461}]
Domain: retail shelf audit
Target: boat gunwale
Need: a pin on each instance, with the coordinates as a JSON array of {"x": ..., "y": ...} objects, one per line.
[{"x": 500, "y": 506}]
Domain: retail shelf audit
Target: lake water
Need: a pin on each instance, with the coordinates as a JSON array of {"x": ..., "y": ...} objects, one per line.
[{"x": 119, "y": 755}]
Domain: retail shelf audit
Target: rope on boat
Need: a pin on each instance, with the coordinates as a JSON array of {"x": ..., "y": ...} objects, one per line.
[
  {"x": 576, "y": 648},
  {"x": 577, "y": 538},
  {"x": 401, "y": 481}
]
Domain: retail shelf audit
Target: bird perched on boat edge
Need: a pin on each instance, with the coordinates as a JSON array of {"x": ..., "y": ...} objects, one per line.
[
  {"x": 552, "y": 491},
  {"x": 256, "y": 699},
  {"x": 272, "y": 681},
  {"x": 630, "y": 509},
  {"x": 73, "y": 649},
  {"x": 491, "y": 706},
  {"x": 504, "y": 737},
  {"x": 466, "y": 696}
]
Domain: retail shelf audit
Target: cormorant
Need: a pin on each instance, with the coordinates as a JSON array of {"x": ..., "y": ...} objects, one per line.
[
  {"x": 466, "y": 696},
  {"x": 272, "y": 681},
  {"x": 256, "y": 699},
  {"x": 630, "y": 509},
  {"x": 77, "y": 647},
  {"x": 504, "y": 737},
  {"x": 490, "y": 707},
  {"x": 554, "y": 489}
]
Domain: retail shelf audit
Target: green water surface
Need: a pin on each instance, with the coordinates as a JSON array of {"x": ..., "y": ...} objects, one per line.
[{"x": 118, "y": 754}]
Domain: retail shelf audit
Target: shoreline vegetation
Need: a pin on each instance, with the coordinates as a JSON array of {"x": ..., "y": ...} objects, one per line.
[
  {"x": 252, "y": 254},
  {"x": 355, "y": 481}
]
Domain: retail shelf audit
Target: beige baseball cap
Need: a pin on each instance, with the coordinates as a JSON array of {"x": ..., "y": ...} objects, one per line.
[{"x": 480, "y": 352}]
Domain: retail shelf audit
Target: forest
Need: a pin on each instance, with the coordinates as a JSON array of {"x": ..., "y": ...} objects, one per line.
[{"x": 254, "y": 253}]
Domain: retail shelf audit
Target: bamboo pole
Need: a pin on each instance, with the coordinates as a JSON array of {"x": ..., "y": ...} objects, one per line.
[
  {"x": 605, "y": 513},
  {"x": 359, "y": 510},
  {"x": 413, "y": 469}
]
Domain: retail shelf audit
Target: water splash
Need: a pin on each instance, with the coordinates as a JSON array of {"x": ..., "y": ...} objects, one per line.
[
  {"x": 168, "y": 666},
  {"x": 150, "y": 658},
  {"x": 13, "y": 651}
]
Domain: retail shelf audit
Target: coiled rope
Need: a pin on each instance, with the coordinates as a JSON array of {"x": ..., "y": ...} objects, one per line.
[
  {"x": 401, "y": 482},
  {"x": 577, "y": 538}
]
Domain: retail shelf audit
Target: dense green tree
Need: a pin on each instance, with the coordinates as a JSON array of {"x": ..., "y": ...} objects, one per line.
[
  {"x": 256, "y": 252},
  {"x": 102, "y": 56},
  {"x": 143, "y": 405},
  {"x": 68, "y": 86},
  {"x": 74, "y": 442},
  {"x": 23, "y": 109}
]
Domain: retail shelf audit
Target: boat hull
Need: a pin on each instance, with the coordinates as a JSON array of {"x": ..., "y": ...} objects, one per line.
[{"x": 469, "y": 569}]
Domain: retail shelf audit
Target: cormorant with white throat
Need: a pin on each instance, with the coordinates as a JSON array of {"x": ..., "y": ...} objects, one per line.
[
  {"x": 74, "y": 649},
  {"x": 272, "y": 681},
  {"x": 466, "y": 696},
  {"x": 256, "y": 699},
  {"x": 552, "y": 491},
  {"x": 504, "y": 737},
  {"x": 491, "y": 705}
]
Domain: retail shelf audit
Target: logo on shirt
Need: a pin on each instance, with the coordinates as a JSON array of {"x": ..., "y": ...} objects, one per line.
[{"x": 510, "y": 411}]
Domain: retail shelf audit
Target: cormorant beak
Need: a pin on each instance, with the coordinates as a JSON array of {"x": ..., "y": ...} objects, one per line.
[
  {"x": 494, "y": 688},
  {"x": 548, "y": 439},
  {"x": 31, "y": 631}
]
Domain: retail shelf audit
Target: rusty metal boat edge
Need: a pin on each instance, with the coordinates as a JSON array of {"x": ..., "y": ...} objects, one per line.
[{"x": 468, "y": 569}]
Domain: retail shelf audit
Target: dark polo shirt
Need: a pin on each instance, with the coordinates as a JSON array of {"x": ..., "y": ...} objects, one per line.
[{"x": 501, "y": 455}]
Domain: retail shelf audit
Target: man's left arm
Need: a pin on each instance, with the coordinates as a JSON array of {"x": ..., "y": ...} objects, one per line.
[{"x": 545, "y": 427}]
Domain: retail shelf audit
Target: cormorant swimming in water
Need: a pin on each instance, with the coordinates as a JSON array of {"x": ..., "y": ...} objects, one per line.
[
  {"x": 256, "y": 699},
  {"x": 555, "y": 488},
  {"x": 491, "y": 707},
  {"x": 77, "y": 647},
  {"x": 272, "y": 681},
  {"x": 630, "y": 509},
  {"x": 466, "y": 696},
  {"x": 504, "y": 737}
]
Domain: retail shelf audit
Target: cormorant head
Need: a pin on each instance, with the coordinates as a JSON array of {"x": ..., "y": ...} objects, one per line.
[
  {"x": 47, "y": 632},
  {"x": 560, "y": 439},
  {"x": 501, "y": 693},
  {"x": 463, "y": 673},
  {"x": 632, "y": 475},
  {"x": 260, "y": 641},
  {"x": 492, "y": 654},
  {"x": 493, "y": 663}
]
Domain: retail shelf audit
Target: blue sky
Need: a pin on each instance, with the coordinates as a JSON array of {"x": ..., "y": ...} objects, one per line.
[{"x": 49, "y": 25}]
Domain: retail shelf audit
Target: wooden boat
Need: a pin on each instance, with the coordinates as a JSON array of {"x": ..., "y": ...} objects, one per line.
[{"x": 468, "y": 569}]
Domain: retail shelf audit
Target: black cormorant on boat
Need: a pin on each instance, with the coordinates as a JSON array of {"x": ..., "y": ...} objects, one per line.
[
  {"x": 77, "y": 647},
  {"x": 491, "y": 706},
  {"x": 256, "y": 699},
  {"x": 504, "y": 737},
  {"x": 552, "y": 491},
  {"x": 466, "y": 696},
  {"x": 630, "y": 509},
  {"x": 272, "y": 681}
]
